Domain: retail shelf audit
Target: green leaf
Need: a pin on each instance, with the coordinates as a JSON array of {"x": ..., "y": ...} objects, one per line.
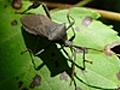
[
  {"x": 102, "y": 74},
  {"x": 17, "y": 71}
]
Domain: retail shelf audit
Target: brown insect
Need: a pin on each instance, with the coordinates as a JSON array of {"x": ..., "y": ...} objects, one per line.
[{"x": 43, "y": 26}]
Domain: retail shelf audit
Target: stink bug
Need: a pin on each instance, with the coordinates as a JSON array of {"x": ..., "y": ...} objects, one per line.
[{"x": 43, "y": 26}]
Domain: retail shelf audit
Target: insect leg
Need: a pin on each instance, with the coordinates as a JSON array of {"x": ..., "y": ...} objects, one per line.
[
  {"x": 70, "y": 26},
  {"x": 31, "y": 55},
  {"x": 73, "y": 58},
  {"x": 84, "y": 55},
  {"x": 35, "y": 5},
  {"x": 84, "y": 59},
  {"x": 72, "y": 72},
  {"x": 42, "y": 50},
  {"x": 70, "y": 60},
  {"x": 46, "y": 10},
  {"x": 73, "y": 65},
  {"x": 38, "y": 53}
]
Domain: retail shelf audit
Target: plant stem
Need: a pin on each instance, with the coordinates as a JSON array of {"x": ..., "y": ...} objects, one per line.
[
  {"x": 104, "y": 14},
  {"x": 107, "y": 14}
]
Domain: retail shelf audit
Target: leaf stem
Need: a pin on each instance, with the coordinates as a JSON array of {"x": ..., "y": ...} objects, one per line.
[
  {"x": 63, "y": 5},
  {"x": 107, "y": 14},
  {"x": 104, "y": 13}
]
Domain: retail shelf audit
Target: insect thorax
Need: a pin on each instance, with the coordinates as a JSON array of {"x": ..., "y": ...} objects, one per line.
[{"x": 58, "y": 33}]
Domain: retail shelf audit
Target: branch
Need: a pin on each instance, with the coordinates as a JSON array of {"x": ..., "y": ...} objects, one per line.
[
  {"x": 107, "y": 14},
  {"x": 104, "y": 14},
  {"x": 63, "y": 5}
]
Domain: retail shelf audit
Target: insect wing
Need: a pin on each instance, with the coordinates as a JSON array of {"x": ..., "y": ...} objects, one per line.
[{"x": 36, "y": 24}]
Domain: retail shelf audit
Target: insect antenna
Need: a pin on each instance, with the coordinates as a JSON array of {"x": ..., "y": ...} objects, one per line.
[{"x": 36, "y": 4}]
